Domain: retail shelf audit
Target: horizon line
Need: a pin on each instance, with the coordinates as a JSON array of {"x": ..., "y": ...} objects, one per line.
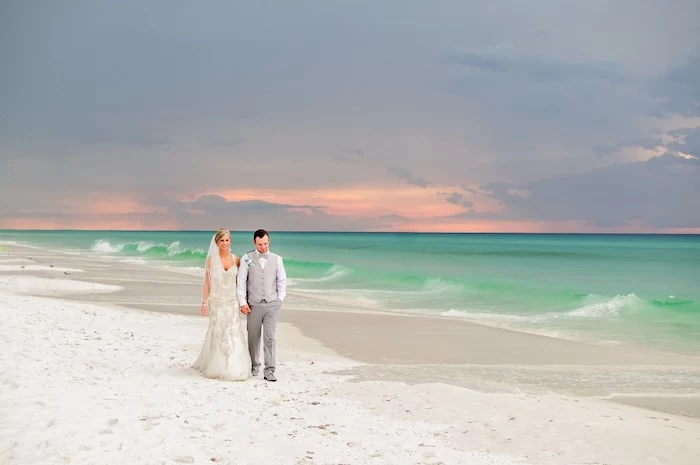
[{"x": 363, "y": 232}]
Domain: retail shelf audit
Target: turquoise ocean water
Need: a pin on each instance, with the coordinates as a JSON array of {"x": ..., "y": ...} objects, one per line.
[{"x": 640, "y": 289}]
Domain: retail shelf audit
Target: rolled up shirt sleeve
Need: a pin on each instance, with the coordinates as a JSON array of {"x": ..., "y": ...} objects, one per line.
[
  {"x": 281, "y": 280},
  {"x": 242, "y": 282}
]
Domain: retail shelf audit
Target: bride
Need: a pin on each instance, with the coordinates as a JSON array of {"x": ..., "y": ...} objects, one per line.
[{"x": 224, "y": 354}]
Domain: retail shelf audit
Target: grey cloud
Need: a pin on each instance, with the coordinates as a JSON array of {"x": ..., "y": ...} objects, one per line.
[
  {"x": 147, "y": 98},
  {"x": 458, "y": 199},
  {"x": 74, "y": 70},
  {"x": 517, "y": 112},
  {"x": 408, "y": 176},
  {"x": 644, "y": 142},
  {"x": 252, "y": 214},
  {"x": 678, "y": 89},
  {"x": 470, "y": 190},
  {"x": 476, "y": 191},
  {"x": 538, "y": 69},
  {"x": 213, "y": 211},
  {"x": 690, "y": 144},
  {"x": 662, "y": 192},
  {"x": 34, "y": 214},
  {"x": 681, "y": 132},
  {"x": 217, "y": 204}
]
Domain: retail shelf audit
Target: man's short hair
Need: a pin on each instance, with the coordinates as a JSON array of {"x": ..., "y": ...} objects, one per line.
[{"x": 260, "y": 233}]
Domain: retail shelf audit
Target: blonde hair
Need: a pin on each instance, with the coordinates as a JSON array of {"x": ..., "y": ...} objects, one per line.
[{"x": 220, "y": 233}]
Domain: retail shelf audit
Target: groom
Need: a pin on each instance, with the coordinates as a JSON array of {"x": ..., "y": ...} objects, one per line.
[{"x": 262, "y": 286}]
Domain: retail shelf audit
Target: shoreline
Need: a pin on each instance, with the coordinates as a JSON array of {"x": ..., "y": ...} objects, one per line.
[
  {"x": 410, "y": 348},
  {"x": 592, "y": 320},
  {"x": 368, "y": 388},
  {"x": 188, "y": 303}
]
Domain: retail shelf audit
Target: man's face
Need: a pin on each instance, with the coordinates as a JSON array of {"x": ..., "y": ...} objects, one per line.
[{"x": 262, "y": 244}]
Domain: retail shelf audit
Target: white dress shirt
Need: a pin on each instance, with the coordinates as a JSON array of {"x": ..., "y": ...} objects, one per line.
[{"x": 242, "y": 282}]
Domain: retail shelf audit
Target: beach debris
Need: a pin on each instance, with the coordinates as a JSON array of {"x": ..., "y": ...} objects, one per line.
[{"x": 319, "y": 426}]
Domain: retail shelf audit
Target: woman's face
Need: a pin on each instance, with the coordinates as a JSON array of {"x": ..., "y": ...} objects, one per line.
[{"x": 225, "y": 242}]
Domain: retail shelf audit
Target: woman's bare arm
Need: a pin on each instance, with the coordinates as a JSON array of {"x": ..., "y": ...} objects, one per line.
[{"x": 205, "y": 290}]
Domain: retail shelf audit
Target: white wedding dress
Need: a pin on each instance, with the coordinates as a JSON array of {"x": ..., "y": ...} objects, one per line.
[{"x": 224, "y": 354}]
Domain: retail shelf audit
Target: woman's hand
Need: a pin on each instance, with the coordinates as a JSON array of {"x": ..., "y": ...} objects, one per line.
[{"x": 204, "y": 309}]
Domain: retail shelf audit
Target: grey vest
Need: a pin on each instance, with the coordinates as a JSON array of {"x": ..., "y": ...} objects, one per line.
[{"x": 262, "y": 283}]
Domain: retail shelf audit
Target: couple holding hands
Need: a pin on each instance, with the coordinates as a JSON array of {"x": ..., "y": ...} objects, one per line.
[{"x": 242, "y": 297}]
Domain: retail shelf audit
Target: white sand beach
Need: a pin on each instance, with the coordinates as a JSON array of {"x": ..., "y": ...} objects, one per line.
[{"x": 91, "y": 375}]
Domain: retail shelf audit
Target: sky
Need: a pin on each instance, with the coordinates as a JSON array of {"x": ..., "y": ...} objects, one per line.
[{"x": 500, "y": 116}]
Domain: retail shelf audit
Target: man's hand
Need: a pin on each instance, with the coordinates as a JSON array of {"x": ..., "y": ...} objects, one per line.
[{"x": 245, "y": 309}]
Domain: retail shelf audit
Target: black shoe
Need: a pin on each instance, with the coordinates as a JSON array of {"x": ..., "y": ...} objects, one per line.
[
  {"x": 270, "y": 376},
  {"x": 255, "y": 372}
]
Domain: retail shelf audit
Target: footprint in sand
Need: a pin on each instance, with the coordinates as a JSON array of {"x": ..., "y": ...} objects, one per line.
[
  {"x": 147, "y": 424},
  {"x": 184, "y": 459},
  {"x": 112, "y": 421}
]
